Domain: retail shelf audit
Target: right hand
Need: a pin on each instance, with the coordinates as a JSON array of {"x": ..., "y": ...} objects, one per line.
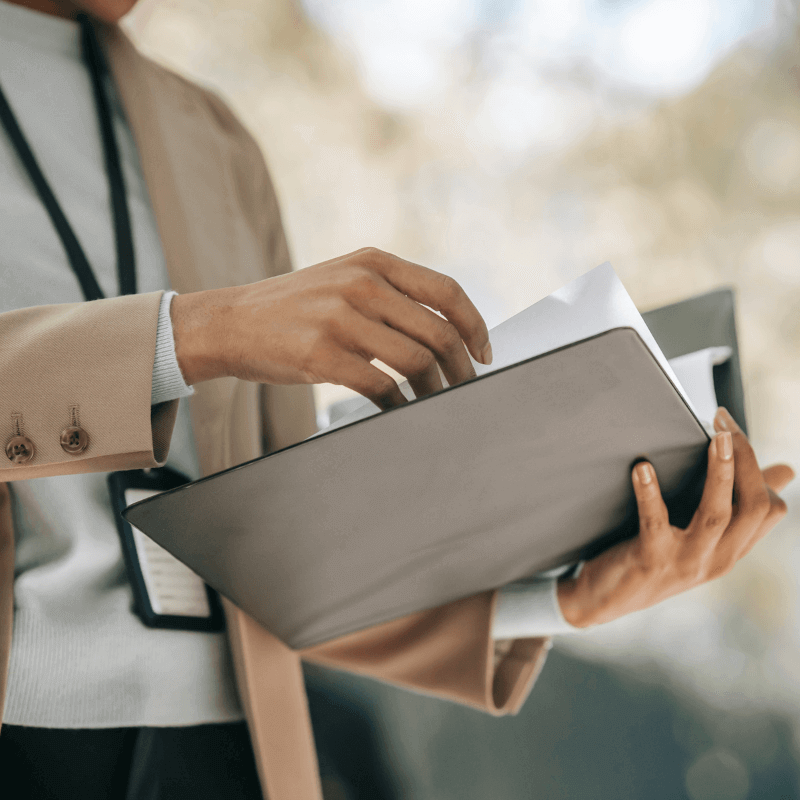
[
  {"x": 664, "y": 560},
  {"x": 326, "y": 323}
]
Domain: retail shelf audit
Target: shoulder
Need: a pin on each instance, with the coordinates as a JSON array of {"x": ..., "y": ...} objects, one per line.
[
  {"x": 178, "y": 109},
  {"x": 173, "y": 89}
]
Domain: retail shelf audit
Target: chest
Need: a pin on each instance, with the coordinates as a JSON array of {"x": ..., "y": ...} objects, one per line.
[{"x": 50, "y": 96}]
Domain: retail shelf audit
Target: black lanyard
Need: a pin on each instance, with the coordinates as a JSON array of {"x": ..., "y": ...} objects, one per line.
[{"x": 93, "y": 57}]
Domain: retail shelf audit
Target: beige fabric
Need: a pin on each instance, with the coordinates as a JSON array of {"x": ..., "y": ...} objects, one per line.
[
  {"x": 219, "y": 223},
  {"x": 6, "y": 582},
  {"x": 54, "y": 357},
  {"x": 447, "y": 652}
]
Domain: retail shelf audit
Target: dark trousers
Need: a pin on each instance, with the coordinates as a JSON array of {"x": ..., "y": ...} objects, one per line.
[{"x": 198, "y": 762}]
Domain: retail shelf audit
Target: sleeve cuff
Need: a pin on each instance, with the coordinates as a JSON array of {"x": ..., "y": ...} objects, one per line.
[
  {"x": 529, "y": 608},
  {"x": 168, "y": 382}
]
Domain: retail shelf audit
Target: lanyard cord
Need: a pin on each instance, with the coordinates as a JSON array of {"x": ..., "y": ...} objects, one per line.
[{"x": 93, "y": 57}]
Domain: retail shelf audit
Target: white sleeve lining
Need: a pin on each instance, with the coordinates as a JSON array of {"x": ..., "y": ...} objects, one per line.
[
  {"x": 168, "y": 382},
  {"x": 529, "y": 608}
]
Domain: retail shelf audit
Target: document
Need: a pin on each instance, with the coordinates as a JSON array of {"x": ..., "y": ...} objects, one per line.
[{"x": 696, "y": 374}]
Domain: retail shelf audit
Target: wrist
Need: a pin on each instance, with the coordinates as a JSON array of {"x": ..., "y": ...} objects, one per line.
[
  {"x": 572, "y": 602},
  {"x": 198, "y": 343}
]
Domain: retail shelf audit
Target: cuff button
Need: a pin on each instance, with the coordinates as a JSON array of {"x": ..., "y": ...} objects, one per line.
[
  {"x": 20, "y": 449},
  {"x": 74, "y": 440}
]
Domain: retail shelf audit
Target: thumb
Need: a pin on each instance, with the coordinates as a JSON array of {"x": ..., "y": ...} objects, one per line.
[{"x": 777, "y": 476}]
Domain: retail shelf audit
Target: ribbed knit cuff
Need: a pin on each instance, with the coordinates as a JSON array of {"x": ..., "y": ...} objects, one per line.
[
  {"x": 168, "y": 382},
  {"x": 530, "y": 608}
]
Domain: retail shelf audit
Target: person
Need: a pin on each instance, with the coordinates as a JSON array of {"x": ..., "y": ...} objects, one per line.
[{"x": 110, "y": 158}]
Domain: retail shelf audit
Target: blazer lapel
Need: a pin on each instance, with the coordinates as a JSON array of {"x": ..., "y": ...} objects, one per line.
[
  {"x": 6, "y": 588},
  {"x": 186, "y": 187}
]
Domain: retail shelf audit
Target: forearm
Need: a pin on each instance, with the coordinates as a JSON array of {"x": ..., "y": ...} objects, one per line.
[{"x": 199, "y": 329}]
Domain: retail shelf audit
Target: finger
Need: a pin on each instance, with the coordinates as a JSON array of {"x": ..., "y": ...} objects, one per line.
[
  {"x": 336, "y": 259},
  {"x": 654, "y": 528},
  {"x": 398, "y": 351},
  {"x": 359, "y": 375},
  {"x": 441, "y": 293},
  {"x": 435, "y": 333},
  {"x": 714, "y": 513},
  {"x": 777, "y": 512},
  {"x": 778, "y": 476},
  {"x": 751, "y": 490}
]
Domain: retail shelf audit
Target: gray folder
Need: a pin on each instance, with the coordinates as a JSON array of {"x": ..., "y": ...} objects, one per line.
[{"x": 483, "y": 483}]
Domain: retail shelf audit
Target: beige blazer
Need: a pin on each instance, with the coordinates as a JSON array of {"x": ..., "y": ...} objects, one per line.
[{"x": 220, "y": 225}]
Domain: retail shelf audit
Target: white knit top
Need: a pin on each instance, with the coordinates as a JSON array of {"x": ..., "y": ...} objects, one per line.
[{"x": 80, "y": 657}]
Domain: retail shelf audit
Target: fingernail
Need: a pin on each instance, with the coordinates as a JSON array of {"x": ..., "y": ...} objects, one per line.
[
  {"x": 486, "y": 354},
  {"x": 643, "y": 471},
  {"x": 725, "y": 420},
  {"x": 725, "y": 445}
]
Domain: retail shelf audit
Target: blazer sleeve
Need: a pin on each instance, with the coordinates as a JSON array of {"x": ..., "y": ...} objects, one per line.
[
  {"x": 89, "y": 364},
  {"x": 447, "y": 652}
]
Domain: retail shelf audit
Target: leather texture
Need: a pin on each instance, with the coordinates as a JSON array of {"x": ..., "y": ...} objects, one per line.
[{"x": 219, "y": 224}]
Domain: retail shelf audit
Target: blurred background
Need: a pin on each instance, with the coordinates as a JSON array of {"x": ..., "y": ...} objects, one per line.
[{"x": 515, "y": 145}]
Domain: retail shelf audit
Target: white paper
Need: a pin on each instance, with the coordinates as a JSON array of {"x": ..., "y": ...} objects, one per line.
[
  {"x": 591, "y": 304},
  {"x": 696, "y": 374}
]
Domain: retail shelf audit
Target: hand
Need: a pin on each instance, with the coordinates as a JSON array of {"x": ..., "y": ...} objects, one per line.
[
  {"x": 664, "y": 560},
  {"x": 324, "y": 324}
]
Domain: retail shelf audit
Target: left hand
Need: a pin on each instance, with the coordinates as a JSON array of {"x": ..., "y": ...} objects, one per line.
[
  {"x": 664, "y": 560},
  {"x": 327, "y": 323}
]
